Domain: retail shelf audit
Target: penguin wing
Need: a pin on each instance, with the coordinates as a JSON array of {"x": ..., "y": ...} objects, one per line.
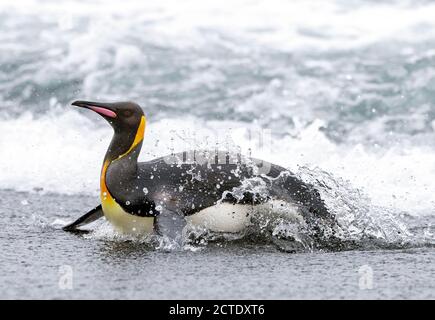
[{"x": 87, "y": 218}]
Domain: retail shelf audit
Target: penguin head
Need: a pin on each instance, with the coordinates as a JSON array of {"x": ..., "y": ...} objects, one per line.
[{"x": 122, "y": 116}]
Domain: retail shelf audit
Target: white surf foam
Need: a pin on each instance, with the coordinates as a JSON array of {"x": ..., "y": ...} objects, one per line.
[{"x": 285, "y": 24}]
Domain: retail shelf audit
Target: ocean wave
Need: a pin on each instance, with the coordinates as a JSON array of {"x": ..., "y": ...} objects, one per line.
[{"x": 263, "y": 61}]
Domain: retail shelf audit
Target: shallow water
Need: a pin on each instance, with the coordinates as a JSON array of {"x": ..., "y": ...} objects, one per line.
[
  {"x": 340, "y": 92},
  {"x": 37, "y": 257}
]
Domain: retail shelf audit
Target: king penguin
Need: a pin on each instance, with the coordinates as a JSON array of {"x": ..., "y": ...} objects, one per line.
[{"x": 193, "y": 187}]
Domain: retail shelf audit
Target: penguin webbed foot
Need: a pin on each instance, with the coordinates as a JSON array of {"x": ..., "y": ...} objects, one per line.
[{"x": 87, "y": 218}]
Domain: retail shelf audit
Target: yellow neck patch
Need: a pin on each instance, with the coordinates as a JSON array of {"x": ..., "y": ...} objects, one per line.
[
  {"x": 123, "y": 221},
  {"x": 138, "y": 137}
]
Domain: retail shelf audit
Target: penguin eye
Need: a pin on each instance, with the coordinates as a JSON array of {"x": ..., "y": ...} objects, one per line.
[{"x": 127, "y": 113}]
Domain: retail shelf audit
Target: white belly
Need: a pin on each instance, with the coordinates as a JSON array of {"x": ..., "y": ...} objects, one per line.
[
  {"x": 226, "y": 217},
  {"x": 223, "y": 217}
]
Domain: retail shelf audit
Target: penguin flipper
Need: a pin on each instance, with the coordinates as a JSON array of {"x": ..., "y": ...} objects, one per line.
[
  {"x": 170, "y": 224},
  {"x": 87, "y": 218}
]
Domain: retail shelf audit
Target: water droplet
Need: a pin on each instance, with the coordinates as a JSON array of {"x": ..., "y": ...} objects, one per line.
[
  {"x": 159, "y": 208},
  {"x": 145, "y": 190},
  {"x": 218, "y": 186},
  {"x": 127, "y": 203}
]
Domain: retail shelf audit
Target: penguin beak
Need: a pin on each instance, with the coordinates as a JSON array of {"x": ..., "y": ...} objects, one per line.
[{"x": 101, "y": 108}]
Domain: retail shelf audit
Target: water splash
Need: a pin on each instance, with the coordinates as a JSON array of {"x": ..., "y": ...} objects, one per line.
[{"x": 358, "y": 219}]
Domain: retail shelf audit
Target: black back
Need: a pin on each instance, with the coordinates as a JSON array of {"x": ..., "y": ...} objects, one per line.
[{"x": 190, "y": 187}]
